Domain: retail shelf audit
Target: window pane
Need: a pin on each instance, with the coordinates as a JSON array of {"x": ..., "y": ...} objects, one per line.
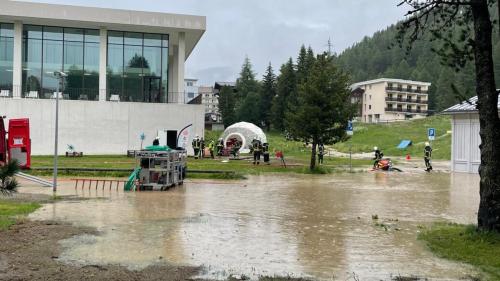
[
  {"x": 73, "y": 67},
  {"x": 6, "y": 63},
  {"x": 91, "y": 75},
  {"x": 52, "y": 61},
  {"x": 132, "y": 82},
  {"x": 32, "y": 65},
  {"x": 92, "y": 35},
  {"x": 52, "y": 33},
  {"x": 165, "y": 41},
  {"x": 73, "y": 34},
  {"x": 153, "y": 40},
  {"x": 132, "y": 38},
  {"x": 152, "y": 61},
  {"x": 32, "y": 31},
  {"x": 115, "y": 69},
  {"x": 115, "y": 37},
  {"x": 7, "y": 30},
  {"x": 164, "y": 80}
]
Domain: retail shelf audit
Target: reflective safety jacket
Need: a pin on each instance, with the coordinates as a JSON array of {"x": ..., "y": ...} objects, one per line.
[{"x": 196, "y": 143}]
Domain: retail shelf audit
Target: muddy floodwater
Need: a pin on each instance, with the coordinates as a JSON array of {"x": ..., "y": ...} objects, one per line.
[{"x": 311, "y": 226}]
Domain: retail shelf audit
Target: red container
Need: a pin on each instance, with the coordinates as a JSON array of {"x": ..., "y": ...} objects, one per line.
[
  {"x": 19, "y": 142},
  {"x": 3, "y": 142}
]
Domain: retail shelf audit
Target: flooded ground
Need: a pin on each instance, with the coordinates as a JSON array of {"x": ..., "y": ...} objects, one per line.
[{"x": 317, "y": 226}]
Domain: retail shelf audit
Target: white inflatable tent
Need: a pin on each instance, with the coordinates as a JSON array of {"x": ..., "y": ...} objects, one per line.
[{"x": 244, "y": 132}]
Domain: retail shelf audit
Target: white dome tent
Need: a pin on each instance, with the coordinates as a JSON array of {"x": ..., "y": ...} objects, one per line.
[{"x": 244, "y": 132}]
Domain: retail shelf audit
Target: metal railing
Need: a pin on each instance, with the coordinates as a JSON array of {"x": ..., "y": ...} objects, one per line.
[
  {"x": 405, "y": 90},
  {"x": 406, "y": 100},
  {"x": 406, "y": 110},
  {"x": 17, "y": 92}
]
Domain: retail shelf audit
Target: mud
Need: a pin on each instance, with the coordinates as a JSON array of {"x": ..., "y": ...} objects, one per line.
[{"x": 336, "y": 227}]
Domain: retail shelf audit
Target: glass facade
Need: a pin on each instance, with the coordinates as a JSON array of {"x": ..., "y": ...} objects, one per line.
[
  {"x": 6, "y": 58},
  {"x": 74, "y": 51},
  {"x": 137, "y": 67}
]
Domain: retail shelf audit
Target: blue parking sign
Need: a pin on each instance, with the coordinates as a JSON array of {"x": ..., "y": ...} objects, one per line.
[
  {"x": 431, "y": 133},
  {"x": 350, "y": 130}
]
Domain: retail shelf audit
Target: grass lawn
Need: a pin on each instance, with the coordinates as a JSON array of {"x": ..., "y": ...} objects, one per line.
[
  {"x": 388, "y": 136},
  {"x": 465, "y": 244},
  {"x": 296, "y": 155},
  {"x": 11, "y": 211}
]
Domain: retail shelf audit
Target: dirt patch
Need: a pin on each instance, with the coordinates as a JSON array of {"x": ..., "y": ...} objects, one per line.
[{"x": 29, "y": 251}]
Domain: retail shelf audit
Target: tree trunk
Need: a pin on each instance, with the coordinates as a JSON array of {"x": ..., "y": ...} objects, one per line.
[
  {"x": 489, "y": 171},
  {"x": 313, "y": 156}
]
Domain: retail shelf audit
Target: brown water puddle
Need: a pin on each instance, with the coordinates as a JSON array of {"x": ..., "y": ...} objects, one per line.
[{"x": 319, "y": 226}]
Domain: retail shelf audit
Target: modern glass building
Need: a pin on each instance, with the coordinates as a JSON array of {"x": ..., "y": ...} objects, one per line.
[
  {"x": 124, "y": 74},
  {"x": 107, "y": 54}
]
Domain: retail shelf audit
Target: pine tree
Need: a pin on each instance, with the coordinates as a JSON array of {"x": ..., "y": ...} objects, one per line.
[
  {"x": 286, "y": 86},
  {"x": 323, "y": 108},
  {"x": 445, "y": 97},
  {"x": 267, "y": 94},
  {"x": 227, "y": 101},
  {"x": 247, "y": 85}
]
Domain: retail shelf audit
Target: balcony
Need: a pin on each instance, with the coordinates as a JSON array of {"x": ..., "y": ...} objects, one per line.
[
  {"x": 405, "y": 90},
  {"x": 407, "y": 100},
  {"x": 406, "y": 110}
]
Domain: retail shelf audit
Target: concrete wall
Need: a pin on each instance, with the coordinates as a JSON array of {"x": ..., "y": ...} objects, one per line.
[
  {"x": 100, "y": 127},
  {"x": 465, "y": 153}
]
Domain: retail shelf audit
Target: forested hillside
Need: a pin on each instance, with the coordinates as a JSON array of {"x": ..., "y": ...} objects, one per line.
[{"x": 372, "y": 58}]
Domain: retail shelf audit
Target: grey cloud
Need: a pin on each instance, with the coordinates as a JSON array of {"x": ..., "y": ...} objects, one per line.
[{"x": 265, "y": 30}]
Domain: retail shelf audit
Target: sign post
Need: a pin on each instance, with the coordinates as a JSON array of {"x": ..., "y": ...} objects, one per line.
[
  {"x": 350, "y": 132},
  {"x": 431, "y": 134},
  {"x": 142, "y": 137}
]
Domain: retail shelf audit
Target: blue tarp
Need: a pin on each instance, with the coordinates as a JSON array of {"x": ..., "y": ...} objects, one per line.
[{"x": 404, "y": 144}]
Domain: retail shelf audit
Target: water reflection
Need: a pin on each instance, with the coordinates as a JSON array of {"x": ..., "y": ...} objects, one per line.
[{"x": 298, "y": 225}]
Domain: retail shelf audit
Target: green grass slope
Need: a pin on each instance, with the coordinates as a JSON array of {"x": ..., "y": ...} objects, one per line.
[{"x": 388, "y": 136}]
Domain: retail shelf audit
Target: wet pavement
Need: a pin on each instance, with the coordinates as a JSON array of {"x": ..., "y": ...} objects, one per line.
[{"x": 297, "y": 225}]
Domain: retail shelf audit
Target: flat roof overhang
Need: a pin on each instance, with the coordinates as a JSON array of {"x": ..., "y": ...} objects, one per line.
[{"x": 112, "y": 19}]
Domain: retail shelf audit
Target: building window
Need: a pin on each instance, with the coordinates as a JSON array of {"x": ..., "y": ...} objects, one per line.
[
  {"x": 6, "y": 56},
  {"x": 75, "y": 51},
  {"x": 370, "y": 97},
  {"x": 138, "y": 66},
  {"x": 408, "y": 88},
  {"x": 370, "y": 107},
  {"x": 190, "y": 95},
  {"x": 190, "y": 84}
]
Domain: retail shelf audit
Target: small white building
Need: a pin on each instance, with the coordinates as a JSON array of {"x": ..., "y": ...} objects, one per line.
[
  {"x": 191, "y": 89},
  {"x": 465, "y": 153}
]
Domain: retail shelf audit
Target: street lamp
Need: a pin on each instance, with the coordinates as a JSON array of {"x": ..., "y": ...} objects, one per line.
[{"x": 60, "y": 80}]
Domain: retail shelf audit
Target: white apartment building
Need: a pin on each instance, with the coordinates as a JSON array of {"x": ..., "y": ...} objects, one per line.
[
  {"x": 388, "y": 100},
  {"x": 209, "y": 99}
]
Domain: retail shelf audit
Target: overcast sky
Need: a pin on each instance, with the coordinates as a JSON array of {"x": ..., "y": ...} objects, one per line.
[{"x": 264, "y": 30}]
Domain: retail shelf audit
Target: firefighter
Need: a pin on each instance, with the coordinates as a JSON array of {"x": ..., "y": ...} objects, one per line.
[
  {"x": 211, "y": 147},
  {"x": 220, "y": 147},
  {"x": 378, "y": 156},
  {"x": 265, "y": 152},
  {"x": 196, "y": 146},
  {"x": 236, "y": 148},
  {"x": 321, "y": 152},
  {"x": 202, "y": 147},
  {"x": 427, "y": 157},
  {"x": 257, "y": 148},
  {"x": 156, "y": 141}
]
